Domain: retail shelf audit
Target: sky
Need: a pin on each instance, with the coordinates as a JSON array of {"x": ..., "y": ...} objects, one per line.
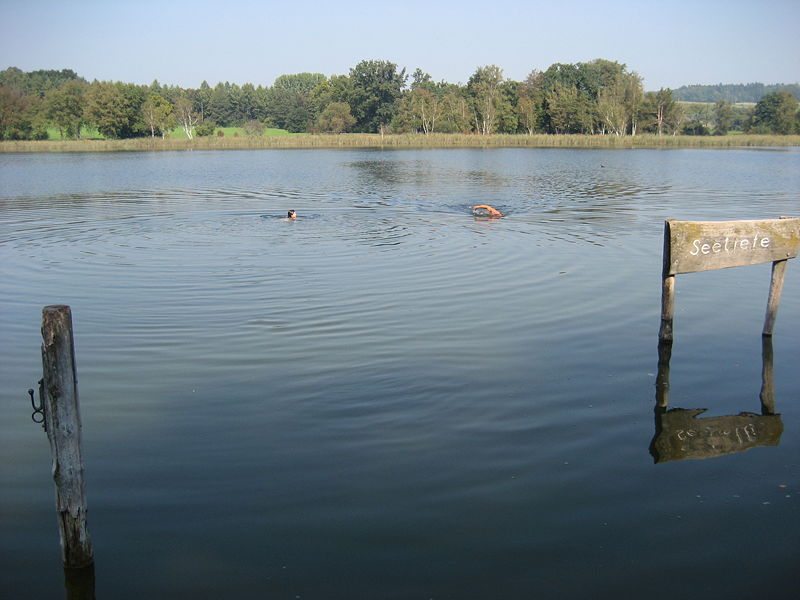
[{"x": 179, "y": 42}]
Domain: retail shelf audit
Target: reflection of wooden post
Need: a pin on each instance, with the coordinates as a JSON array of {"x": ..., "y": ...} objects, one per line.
[
  {"x": 662, "y": 379},
  {"x": 60, "y": 387},
  {"x": 667, "y": 308},
  {"x": 775, "y": 289},
  {"x": 79, "y": 583},
  {"x": 767, "y": 386}
]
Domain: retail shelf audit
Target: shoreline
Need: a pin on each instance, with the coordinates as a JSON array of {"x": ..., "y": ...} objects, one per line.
[{"x": 363, "y": 140}]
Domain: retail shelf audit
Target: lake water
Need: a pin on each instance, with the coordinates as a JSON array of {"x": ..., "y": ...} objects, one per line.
[{"x": 389, "y": 397}]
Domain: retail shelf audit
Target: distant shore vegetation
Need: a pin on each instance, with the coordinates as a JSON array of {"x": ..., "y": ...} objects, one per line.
[
  {"x": 399, "y": 141},
  {"x": 597, "y": 103},
  {"x": 744, "y": 93}
]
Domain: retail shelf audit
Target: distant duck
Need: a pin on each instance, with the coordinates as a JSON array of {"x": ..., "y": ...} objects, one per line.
[{"x": 484, "y": 210}]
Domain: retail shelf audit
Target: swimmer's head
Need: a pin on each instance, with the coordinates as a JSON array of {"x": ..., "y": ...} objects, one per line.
[
  {"x": 484, "y": 210},
  {"x": 291, "y": 215}
]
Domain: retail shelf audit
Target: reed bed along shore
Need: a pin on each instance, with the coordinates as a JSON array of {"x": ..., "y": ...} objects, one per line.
[{"x": 359, "y": 140}]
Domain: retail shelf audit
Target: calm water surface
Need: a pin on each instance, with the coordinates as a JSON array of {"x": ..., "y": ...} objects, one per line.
[{"x": 388, "y": 397}]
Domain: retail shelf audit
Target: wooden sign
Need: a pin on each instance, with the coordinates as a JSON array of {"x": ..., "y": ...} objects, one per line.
[
  {"x": 691, "y": 246},
  {"x": 708, "y": 245}
]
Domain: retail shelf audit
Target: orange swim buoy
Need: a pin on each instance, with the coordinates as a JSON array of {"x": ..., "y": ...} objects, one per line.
[{"x": 493, "y": 212}]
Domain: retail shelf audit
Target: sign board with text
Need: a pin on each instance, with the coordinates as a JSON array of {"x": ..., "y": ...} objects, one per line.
[{"x": 708, "y": 245}]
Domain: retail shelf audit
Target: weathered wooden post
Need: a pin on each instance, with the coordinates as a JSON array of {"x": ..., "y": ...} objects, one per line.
[
  {"x": 691, "y": 246},
  {"x": 775, "y": 289},
  {"x": 63, "y": 423},
  {"x": 667, "y": 291}
]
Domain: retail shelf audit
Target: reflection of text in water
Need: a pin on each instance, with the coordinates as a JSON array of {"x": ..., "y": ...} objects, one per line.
[{"x": 748, "y": 431}]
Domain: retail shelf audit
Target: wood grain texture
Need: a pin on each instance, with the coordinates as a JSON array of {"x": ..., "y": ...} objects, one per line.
[
  {"x": 709, "y": 245},
  {"x": 60, "y": 387}
]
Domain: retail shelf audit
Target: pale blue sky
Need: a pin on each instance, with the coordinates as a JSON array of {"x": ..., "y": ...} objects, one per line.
[{"x": 669, "y": 43}]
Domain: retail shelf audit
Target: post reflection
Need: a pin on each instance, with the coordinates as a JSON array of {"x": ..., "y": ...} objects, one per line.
[
  {"x": 681, "y": 434},
  {"x": 79, "y": 583}
]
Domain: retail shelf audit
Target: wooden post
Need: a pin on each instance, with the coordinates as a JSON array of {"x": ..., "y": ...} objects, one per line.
[
  {"x": 775, "y": 289},
  {"x": 667, "y": 291},
  {"x": 667, "y": 308},
  {"x": 60, "y": 388}
]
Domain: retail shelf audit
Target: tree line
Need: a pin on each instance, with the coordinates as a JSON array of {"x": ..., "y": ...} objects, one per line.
[
  {"x": 600, "y": 97},
  {"x": 733, "y": 92}
]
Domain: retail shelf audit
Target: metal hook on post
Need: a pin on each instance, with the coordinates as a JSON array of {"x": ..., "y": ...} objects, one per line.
[{"x": 38, "y": 415}]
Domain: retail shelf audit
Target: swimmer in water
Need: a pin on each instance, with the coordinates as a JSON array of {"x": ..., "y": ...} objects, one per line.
[
  {"x": 484, "y": 210},
  {"x": 291, "y": 214}
]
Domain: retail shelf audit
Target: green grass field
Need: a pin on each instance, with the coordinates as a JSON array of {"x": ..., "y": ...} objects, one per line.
[
  {"x": 234, "y": 132},
  {"x": 87, "y": 133}
]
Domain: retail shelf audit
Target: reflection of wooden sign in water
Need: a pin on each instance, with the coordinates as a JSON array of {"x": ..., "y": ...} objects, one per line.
[
  {"x": 682, "y": 435},
  {"x": 691, "y": 246}
]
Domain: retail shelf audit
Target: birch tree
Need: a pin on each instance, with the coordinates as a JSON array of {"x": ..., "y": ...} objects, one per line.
[
  {"x": 619, "y": 103},
  {"x": 425, "y": 107},
  {"x": 187, "y": 118},
  {"x": 485, "y": 89},
  {"x": 632, "y": 84},
  {"x": 612, "y": 110}
]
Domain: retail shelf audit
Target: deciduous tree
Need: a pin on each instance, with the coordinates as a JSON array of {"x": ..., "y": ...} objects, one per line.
[
  {"x": 530, "y": 103},
  {"x": 775, "y": 113},
  {"x": 299, "y": 83},
  {"x": 63, "y": 107},
  {"x": 338, "y": 88},
  {"x": 377, "y": 86},
  {"x": 723, "y": 117},
  {"x": 115, "y": 109},
  {"x": 14, "y": 121},
  {"x": 158, "y": 115},
  {"x": 336, "y": 118},
  {"x": 457, "y": 115},
  {"x": 567, "y": 110}
]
